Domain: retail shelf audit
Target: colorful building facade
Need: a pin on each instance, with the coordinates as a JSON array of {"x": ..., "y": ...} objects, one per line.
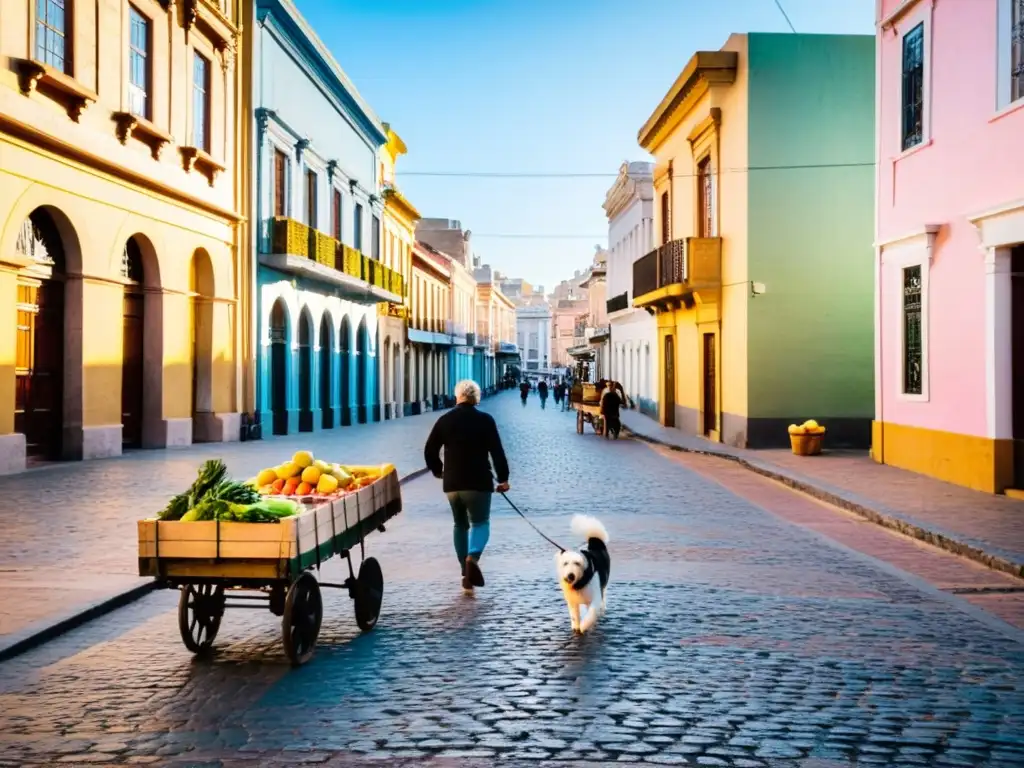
[
  {"x": 633, "y": 351},
  {"x": 429, "y": 317},
  {"x": 760, "y": 283},
  {"x": 400, "y": 217},
  {"x": 118, "y": 188},
  {"x": 495, "y": 331},
  {"x": 949, "y": 275},
  {"x": 317, "y": 214}
]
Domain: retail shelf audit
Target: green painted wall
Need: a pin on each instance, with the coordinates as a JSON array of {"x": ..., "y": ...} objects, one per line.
[{"x": 811, "y": 230}]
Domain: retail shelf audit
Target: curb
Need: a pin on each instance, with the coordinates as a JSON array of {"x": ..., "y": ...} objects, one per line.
[
  {"x": 971, "y": 552},
  {"x": 33, "y": 638}
]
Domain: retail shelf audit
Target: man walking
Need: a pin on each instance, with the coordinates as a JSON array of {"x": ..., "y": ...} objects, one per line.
[{"x": 468, "y": 437}]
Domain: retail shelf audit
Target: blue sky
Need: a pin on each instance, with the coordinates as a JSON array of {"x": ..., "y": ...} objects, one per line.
[{"x": 534, "y": 86}]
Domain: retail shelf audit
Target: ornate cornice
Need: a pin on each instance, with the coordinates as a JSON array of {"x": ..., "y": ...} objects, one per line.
[
  {"x": 704, "y": 69},
  {"x": 634, "y": 182}
]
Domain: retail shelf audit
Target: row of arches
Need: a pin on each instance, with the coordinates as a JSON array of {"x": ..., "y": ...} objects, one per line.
[
  {"x": 342, "y": 369},
  {"x": 55, "y": 315}
]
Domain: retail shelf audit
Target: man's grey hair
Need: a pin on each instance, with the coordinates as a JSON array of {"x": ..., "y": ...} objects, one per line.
[{"x": 467, "y": 391}]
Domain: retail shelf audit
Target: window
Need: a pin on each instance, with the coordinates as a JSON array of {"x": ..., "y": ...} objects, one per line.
[
  {"x": 666, "y": 224},
  {"x": 280, "y": 183},
  {"x": 913, "y": 348},
  {"x": 375, "y": 238},
  {"x": 913, "y": 87},
  {"x": 138, "y": 65},
  {"x": 705, "y": 199},
  {"x": 201, "y": 101},
  {"x": 336, "y": 215},
  {"x": 357, "y": 222},
  {"x": 311, "y": 199},
  {"x": 53, "y": 36}
]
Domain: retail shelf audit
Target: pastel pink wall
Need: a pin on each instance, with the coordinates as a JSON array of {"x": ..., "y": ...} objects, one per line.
[{"x": 972, "y": 163}]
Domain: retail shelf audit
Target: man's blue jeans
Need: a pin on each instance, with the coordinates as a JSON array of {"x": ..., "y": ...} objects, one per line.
[{"x": 471, "y": 511}]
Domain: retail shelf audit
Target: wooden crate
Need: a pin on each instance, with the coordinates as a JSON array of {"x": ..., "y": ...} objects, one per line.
[{"x": 267, "y": 551}]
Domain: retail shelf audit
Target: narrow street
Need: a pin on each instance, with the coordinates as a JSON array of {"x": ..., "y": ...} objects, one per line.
[{"x": 735, "y": 636}]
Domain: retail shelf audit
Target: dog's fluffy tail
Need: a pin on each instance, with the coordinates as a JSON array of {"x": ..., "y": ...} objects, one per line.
[{"x": 587, "y": 528}]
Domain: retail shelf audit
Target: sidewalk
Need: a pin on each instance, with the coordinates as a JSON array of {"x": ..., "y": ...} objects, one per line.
[
  {"x": 70, "y": 547},
  {"x": 984, "y": 527}
]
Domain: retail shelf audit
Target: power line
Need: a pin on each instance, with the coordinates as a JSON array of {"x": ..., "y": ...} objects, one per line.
[
  {"x": 785, "y": 16},
  {"x": 531, "y": 236},
  {"x": 529, "y": 175}
]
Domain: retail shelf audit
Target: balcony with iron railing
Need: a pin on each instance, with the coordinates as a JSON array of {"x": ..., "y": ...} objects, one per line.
[
  {"x": 678, "y": 273},
  {"x": 298, "y": 248}
]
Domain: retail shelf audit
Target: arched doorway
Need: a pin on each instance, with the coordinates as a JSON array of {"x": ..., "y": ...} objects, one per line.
[
  {"x": 305, "y": 372},
  {"x": 39, "y": 362},
  {"x": 346, "y": 372},
  {"x": 202, "y": 289},
  {"x": 279, "y": 367},
  {"x": 326, "y": 348},
  {"x": 132, "y": 351},
  {"x": 362, "y": 371}
]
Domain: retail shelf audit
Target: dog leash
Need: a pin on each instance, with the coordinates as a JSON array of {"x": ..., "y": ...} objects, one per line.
[{"x": 543, "y": 535}]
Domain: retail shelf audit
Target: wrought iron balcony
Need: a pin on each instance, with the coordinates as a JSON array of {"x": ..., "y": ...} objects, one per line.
[
  {"x": 672, "y": 273},
  {"x": 617, "y": 303}
]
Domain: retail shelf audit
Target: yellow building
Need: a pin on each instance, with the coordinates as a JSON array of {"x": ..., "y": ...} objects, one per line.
[
  {"x": 118, "y": 197},
  {"x": 400, "y": 217},
  {"x": 761, "y": 281},
  {"x": 495, "y": 332}
]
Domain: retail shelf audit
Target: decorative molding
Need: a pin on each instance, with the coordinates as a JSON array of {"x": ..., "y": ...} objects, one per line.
[
  {"x": 193, "y": 157},
  {"x": 925, "y": 236},
  {"x": 131, "y": 126},
  {"x": 709, "y": 123},
  {"x": 888, "y": 24},
  {"x": 703, "y": 69},
  {"x": 35, "y": 76},
  {"x": 332, "y": 168}
]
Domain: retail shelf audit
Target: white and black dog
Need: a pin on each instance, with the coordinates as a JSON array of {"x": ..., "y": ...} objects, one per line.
[{"x": 584, "y": 573}]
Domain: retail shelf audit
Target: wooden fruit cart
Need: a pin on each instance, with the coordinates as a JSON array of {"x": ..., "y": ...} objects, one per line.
[{"x": 218, "y": 565}]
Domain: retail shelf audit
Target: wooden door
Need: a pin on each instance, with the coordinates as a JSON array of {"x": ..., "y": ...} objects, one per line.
[
  {"x": 39, "y": 367},
  {"x": 710, "y": 385},
  {"x": 1017, "y": 362},
  {"x": 670, "y": 381},
  {"x": 131, "y": 368}
]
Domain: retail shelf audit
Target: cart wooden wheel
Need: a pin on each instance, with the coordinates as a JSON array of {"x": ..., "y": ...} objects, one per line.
[
  {"x": 369, "y": 594},
  {"x": 579, "y": 422},
  {"x": 303, "y": 612},
  {"x": 200, "y": 609}
]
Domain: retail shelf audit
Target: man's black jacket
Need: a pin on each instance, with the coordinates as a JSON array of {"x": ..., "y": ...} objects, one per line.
[{"x": 468, "y": 436}]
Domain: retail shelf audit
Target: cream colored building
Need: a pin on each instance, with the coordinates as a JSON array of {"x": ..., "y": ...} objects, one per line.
[{"x": 118, "y": 284}]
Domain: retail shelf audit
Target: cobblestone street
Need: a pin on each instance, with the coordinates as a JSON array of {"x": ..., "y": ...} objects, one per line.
[
  {"x": 81, "y": 516},
  {"x": 746, "y": 627}
]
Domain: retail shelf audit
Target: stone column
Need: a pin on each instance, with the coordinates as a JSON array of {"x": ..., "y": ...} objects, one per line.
[
  {"x": 92, "y": 410},
  {"x": 999, "y": 362}
]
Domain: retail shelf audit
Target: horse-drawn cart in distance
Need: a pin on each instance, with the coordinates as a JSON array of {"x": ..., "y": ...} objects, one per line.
[
  {"x": 586, "y": 400},
  {"x": 219, "y": 564}
]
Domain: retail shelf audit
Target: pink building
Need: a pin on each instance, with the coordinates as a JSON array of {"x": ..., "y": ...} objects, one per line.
[{"x": 949, "y": 346}]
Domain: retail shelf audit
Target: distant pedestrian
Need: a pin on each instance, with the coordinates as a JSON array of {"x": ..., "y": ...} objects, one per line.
[
  {"x": 542, "y": 390},
  {"x": 610, "y": 405},
  {"x": 468, "y": 437},
  {"x": 524, "y": 390}
]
